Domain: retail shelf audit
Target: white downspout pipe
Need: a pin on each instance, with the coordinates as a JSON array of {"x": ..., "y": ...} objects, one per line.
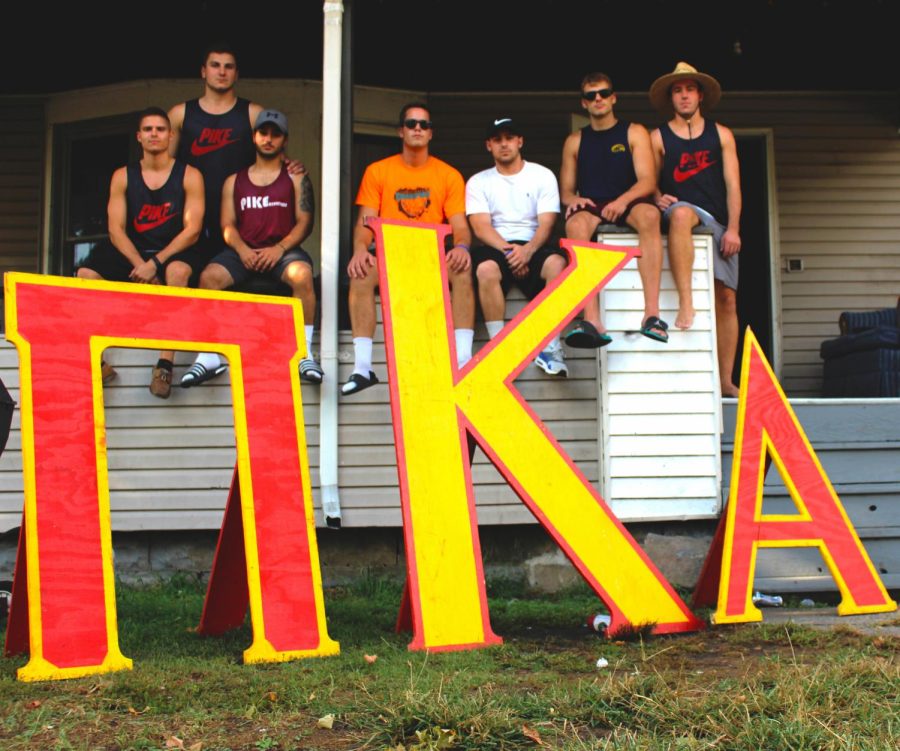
[{"x": 331, "y": 183}]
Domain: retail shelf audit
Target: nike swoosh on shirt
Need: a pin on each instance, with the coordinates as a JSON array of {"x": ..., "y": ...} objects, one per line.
[
  {"x": 198, "y": 150},
  {"x": 682, "y": 175},
  {"x": 147, "y": 226}
]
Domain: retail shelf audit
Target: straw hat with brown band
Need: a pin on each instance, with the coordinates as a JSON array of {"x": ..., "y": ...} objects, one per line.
[{"x": 661, "y": 98}]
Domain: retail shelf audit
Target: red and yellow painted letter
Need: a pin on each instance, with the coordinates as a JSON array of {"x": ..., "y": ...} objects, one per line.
[
  {"x": 766, "y": 424},
  {"x": 61, "y": 327},
  {"x": 434, "y": 404}
]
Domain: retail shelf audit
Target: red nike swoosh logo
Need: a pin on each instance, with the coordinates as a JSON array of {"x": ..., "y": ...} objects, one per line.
[
  {"x": 198, "y": 150},
  {"x": 682, "y": 175},
  {"x": 147, "y": 226}
]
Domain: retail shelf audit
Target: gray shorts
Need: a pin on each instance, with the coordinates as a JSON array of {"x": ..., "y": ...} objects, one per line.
[
  {"x": 725, "y": 270},
  {"x": 230, "y": 259}
]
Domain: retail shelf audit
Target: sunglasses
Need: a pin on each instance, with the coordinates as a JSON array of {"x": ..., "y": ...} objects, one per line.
[
  {"x": 593, "y": 94},
  {"x": 423, "y": 124}
]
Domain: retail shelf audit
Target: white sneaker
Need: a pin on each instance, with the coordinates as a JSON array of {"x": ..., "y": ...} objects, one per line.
[{"x": 553, "y": 362}]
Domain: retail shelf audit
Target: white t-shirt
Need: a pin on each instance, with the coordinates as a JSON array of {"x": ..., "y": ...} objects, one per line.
[{"x": 513, "y": 201}]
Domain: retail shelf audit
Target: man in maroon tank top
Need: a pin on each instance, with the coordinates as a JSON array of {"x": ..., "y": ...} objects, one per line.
[{"x": 266, "y": 214}]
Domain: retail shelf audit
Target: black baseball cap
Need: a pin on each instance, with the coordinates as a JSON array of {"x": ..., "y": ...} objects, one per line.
[{"x": 503, "y": 125}]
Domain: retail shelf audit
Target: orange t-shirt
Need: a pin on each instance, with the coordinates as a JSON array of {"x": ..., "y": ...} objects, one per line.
[{"x": 431, "y": 193}]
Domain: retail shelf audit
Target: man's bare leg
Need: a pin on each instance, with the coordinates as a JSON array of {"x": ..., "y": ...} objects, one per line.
[
  {"x": 491, "y": 297},
  {"x": 361, "y": 301},
  {"x": 726, "y": 335},
  {"x": 644, "y": 218},
  {"x": 490, "y": 291},
  {"x": 362, "y": 322},
  {"x": 299, "y": 277},
  {"x": 582, "y": 226},
  {"x": 681, "y": 260},
  {"x": 462, "y": 303}
]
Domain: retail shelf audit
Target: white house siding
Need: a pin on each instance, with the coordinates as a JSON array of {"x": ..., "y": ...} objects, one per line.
[
  {"x": 660, "y": 402},
  {"x": 171, "y": 462},
  {"x": 21, "y": 160}
]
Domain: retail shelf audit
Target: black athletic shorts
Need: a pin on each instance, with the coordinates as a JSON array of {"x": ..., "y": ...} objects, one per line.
[
  {"x": 531, "y": 284},
  {"x": 105, "y": 260}
]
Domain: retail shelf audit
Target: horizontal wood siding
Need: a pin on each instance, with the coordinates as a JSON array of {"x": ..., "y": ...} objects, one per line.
[
  {"x": 837, "y": 170},
  {"x": 21, "y": 175},
  {"x": 858, "y": 444},
  {"x": 661, "y": 407},
  {"x": 171, "y": 462}
]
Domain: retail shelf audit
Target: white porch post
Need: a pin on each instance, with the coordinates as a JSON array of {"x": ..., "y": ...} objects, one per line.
[{"x": 331, "y": 179}]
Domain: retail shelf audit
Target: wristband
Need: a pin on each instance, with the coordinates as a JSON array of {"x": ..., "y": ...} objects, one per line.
[
  {"x": 157, "y": 262},
  {"x": 284, "y": 250},
  {"x": 463, "y": 246}
]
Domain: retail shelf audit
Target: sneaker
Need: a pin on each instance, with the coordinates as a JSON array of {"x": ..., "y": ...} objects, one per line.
[
  {"x": 107, "y": 372},
  {"x": 161, "y": 384},
  {"x": 310, "y": 371},
  {"x": 553, "y": 362}
]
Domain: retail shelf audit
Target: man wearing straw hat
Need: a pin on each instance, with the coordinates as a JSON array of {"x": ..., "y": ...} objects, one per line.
[{"x": 699, "y": 184}]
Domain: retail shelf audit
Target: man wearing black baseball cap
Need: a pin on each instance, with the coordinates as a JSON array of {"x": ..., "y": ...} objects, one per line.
[{"x": 512, "y": 208}]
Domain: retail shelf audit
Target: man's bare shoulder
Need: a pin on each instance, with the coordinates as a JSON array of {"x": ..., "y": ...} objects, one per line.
[
  {"x": 254, "y": 109},
  {"x": 192, "y": 175},
  {"x": 573, "y": 141},
  {"x": 637, "y": 132},
  {"x": 176, "y": 115},
  {"x": 120, "y": 177},
  {"x": 724, "y": 132}
]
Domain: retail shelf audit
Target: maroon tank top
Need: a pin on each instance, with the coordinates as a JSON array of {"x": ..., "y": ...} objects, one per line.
[{"x": 265, "y": 213}]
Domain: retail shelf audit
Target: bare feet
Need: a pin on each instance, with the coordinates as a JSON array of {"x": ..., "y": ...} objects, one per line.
[
  {"x": 685, "y": 318},
  {"x": 730, "y": 390}
]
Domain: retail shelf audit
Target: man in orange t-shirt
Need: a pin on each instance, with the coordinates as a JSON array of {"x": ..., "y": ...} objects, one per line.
[{"x": 413, "y": 186}]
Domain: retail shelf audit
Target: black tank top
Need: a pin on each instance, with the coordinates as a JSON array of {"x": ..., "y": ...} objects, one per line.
[
  {"x": 605, "y": 166},
  {"x": 154, "y": 216},
  {"x": 218, "y": 146},
  {"x": 692, "y": 170}
]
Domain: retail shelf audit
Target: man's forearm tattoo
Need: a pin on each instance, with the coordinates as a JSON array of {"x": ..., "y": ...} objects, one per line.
[{"x": 307, "y": 200}]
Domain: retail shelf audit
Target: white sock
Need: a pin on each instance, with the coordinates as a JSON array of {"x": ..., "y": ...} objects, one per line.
[
  {"x": 209, "y": 360},
  {"x": 308, "y": 331},
  {"x": 554, "y": 343},
  {"x": 493, "y": 328},
  {"x": 362, "y": 348},
  {"x": 464, "y": 339}
]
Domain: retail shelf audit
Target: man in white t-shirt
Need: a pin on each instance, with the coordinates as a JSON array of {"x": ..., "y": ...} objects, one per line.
[{"x": 512, "y": 208}]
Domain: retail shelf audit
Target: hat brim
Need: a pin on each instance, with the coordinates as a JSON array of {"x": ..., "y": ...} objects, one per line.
[{"x": 661, "y": 99}]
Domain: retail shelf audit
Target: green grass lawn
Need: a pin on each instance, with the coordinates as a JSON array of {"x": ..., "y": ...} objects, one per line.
[{"x": 745, "y": 687}]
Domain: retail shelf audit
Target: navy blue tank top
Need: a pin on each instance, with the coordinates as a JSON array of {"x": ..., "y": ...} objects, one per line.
[
  {"x": 154, "y": 216},
  {"x": 218, "y": 146},
  {"x": 605, "y": 166},
  {"x": 692, "y": 170}
]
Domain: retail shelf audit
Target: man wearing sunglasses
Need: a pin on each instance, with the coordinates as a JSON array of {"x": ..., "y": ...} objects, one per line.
[
  {"x": 512, "y": 208},
  {"x": 699, "y": 184},
  {"x": 608, "y": 176},
  {"x": 411, "y": 186}
]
